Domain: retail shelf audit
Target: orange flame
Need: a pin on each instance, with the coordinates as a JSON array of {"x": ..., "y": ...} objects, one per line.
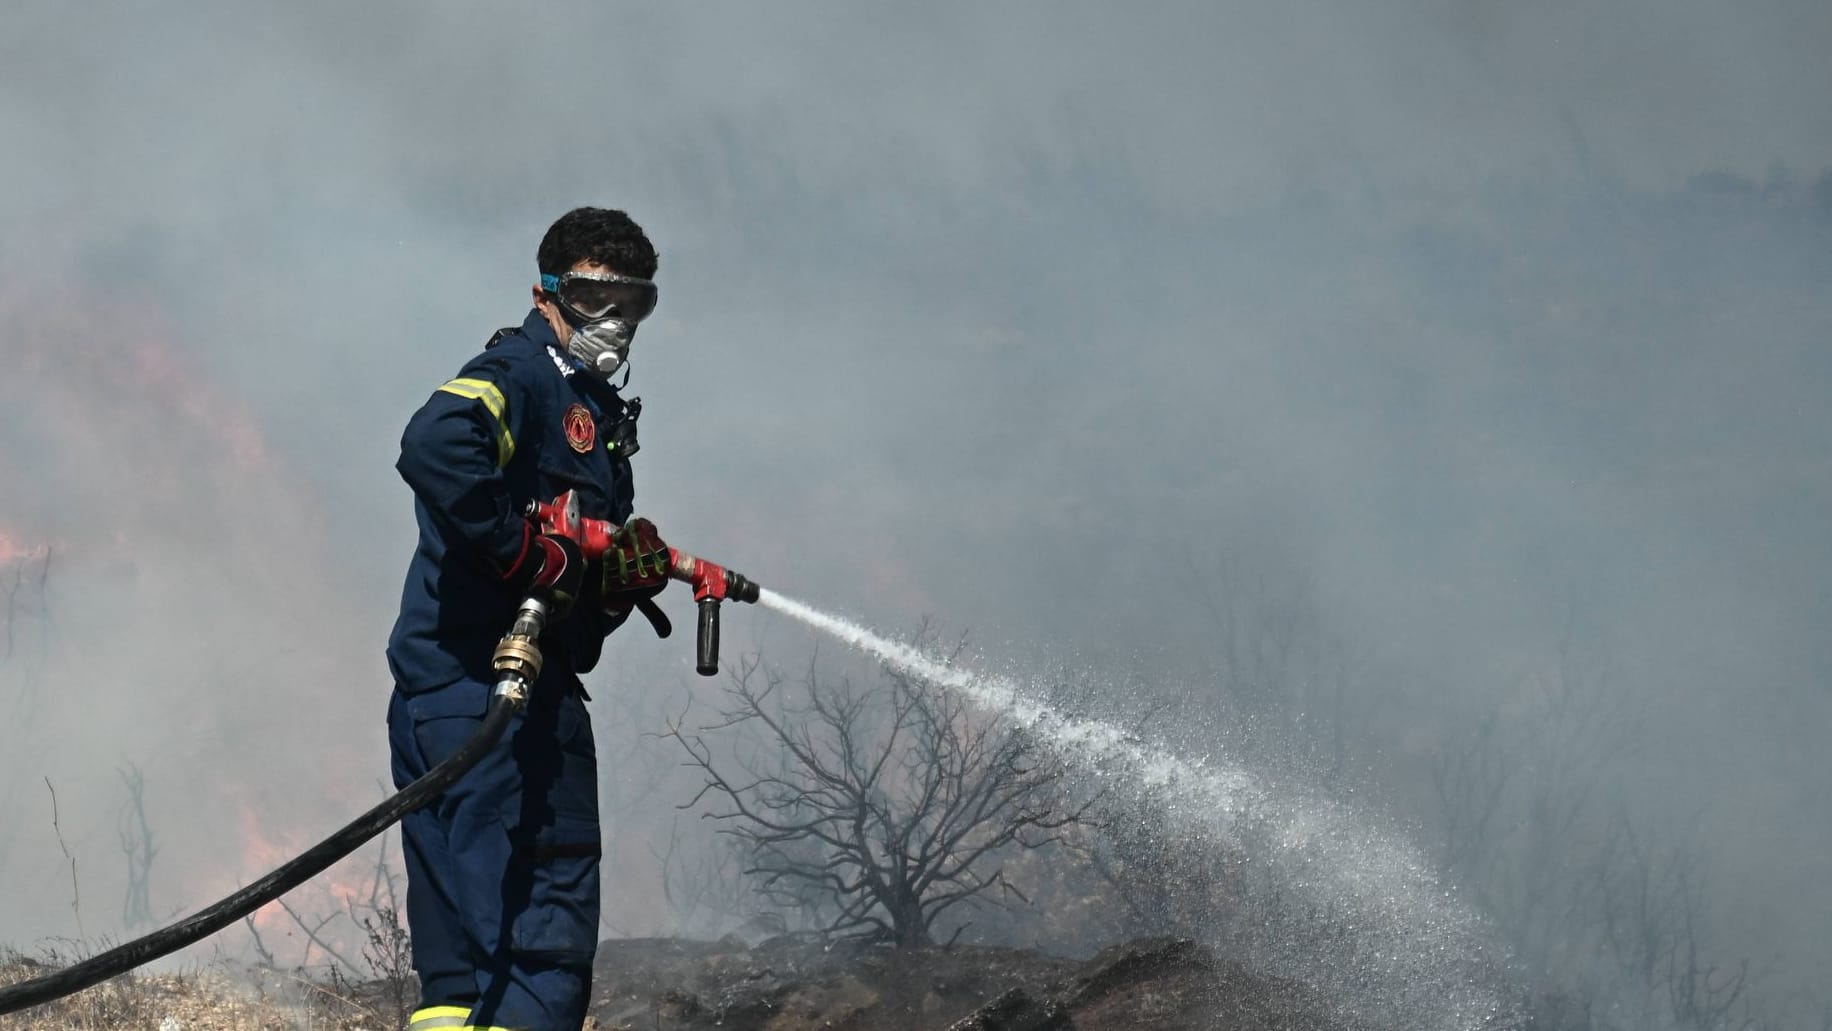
[
  {"x": 329, "y": 904},
  {"x": 124, "y": 446},
  {"x": 12, "y": 549}
]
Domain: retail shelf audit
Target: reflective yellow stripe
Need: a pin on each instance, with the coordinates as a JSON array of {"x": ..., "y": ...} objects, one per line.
[
  {"x": 439, "y": 1017},
  {"x": 492, "y": 398},
  {"x": 447, "y": 1018},
  {"x": 480, "y": 389}
]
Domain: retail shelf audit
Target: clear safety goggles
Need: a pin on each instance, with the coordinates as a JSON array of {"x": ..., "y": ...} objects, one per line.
[{"x": 590, "y": 296}]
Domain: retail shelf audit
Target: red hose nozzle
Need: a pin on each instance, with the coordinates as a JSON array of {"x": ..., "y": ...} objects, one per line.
[{"x": 712, "y": 583}]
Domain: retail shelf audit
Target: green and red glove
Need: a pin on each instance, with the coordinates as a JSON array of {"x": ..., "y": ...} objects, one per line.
[{"x": 636, "y": 568}]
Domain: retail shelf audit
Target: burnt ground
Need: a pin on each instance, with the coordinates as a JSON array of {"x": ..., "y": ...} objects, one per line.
[
  {"x": 670, "y": 984},
  {"x": 1161, "y": 984}
]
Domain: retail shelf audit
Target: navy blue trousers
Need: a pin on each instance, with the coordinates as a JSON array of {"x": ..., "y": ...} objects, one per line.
[{"x": 502, "y": 870}]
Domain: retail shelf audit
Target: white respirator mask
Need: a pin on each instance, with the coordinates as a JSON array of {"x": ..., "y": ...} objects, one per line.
[{"x": 603, "y": 311}]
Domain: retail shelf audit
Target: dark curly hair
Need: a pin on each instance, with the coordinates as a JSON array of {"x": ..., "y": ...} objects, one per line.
[{"x": 603, "y": 235}]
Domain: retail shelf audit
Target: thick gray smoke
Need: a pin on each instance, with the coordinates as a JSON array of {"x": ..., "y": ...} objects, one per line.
[{"x": 1489, "y": 339}]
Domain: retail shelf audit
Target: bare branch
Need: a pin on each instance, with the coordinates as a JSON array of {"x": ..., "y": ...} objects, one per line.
[
  {"x": 883, "y": 807},
  {"x": 76, "y": 891}
]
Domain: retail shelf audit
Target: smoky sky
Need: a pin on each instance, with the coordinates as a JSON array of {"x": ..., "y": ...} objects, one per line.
[{"x": 1481, "y": 320}]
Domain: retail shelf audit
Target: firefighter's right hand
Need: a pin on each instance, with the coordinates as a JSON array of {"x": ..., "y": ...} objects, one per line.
[{"x": 551, "y": 567}]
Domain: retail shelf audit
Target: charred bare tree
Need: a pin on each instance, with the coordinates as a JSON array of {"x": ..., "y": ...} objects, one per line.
[
  {"x": 1161, "y": 885},
  {"x": 26, "y": 593},
  {"x": 1610, "y": 915},
  {"x": 1517, "y": 802},
  {"x": 706, "y": 891},
  {"x": 1280, "y": 667},
  {"x": 1657, "y": 918},
  {"x": 136, "y": 836},
  {"x": 1130, "y": 857},
  {"x": 884, "y": 808}
]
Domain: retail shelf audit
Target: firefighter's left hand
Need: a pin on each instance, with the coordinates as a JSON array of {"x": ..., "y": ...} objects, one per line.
[{"x": 636, "y": 567}]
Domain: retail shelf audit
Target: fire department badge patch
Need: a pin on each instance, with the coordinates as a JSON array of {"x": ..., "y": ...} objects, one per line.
[{"x": 581, "y": 432}]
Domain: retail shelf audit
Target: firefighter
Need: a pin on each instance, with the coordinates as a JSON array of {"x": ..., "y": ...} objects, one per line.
[{"x": 502, "y": 870}]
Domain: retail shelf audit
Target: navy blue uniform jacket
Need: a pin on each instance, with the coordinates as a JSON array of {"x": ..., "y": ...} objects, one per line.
[{"x": 518, "y": 423}]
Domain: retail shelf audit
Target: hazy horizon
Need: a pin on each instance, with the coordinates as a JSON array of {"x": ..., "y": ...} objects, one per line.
[{"x": 1494, "y": 335}]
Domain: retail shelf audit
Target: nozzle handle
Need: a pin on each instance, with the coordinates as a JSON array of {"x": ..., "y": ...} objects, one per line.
[{"x": 707, "y": 648}]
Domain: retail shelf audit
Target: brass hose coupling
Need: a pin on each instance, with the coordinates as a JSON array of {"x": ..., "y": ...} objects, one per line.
[{"x": 517, "y": 659}]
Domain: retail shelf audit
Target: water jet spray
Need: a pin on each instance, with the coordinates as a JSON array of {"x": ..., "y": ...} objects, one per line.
[{"x": 1396, "y": 947}]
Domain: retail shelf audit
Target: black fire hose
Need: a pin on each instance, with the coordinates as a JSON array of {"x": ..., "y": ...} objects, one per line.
[{"x": 517, "y": 658}]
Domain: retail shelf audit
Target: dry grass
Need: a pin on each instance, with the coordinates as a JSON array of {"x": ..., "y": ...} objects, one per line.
[
  {"x": 376, "y": 994},
  {"x": 203, "y": 1000}
]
